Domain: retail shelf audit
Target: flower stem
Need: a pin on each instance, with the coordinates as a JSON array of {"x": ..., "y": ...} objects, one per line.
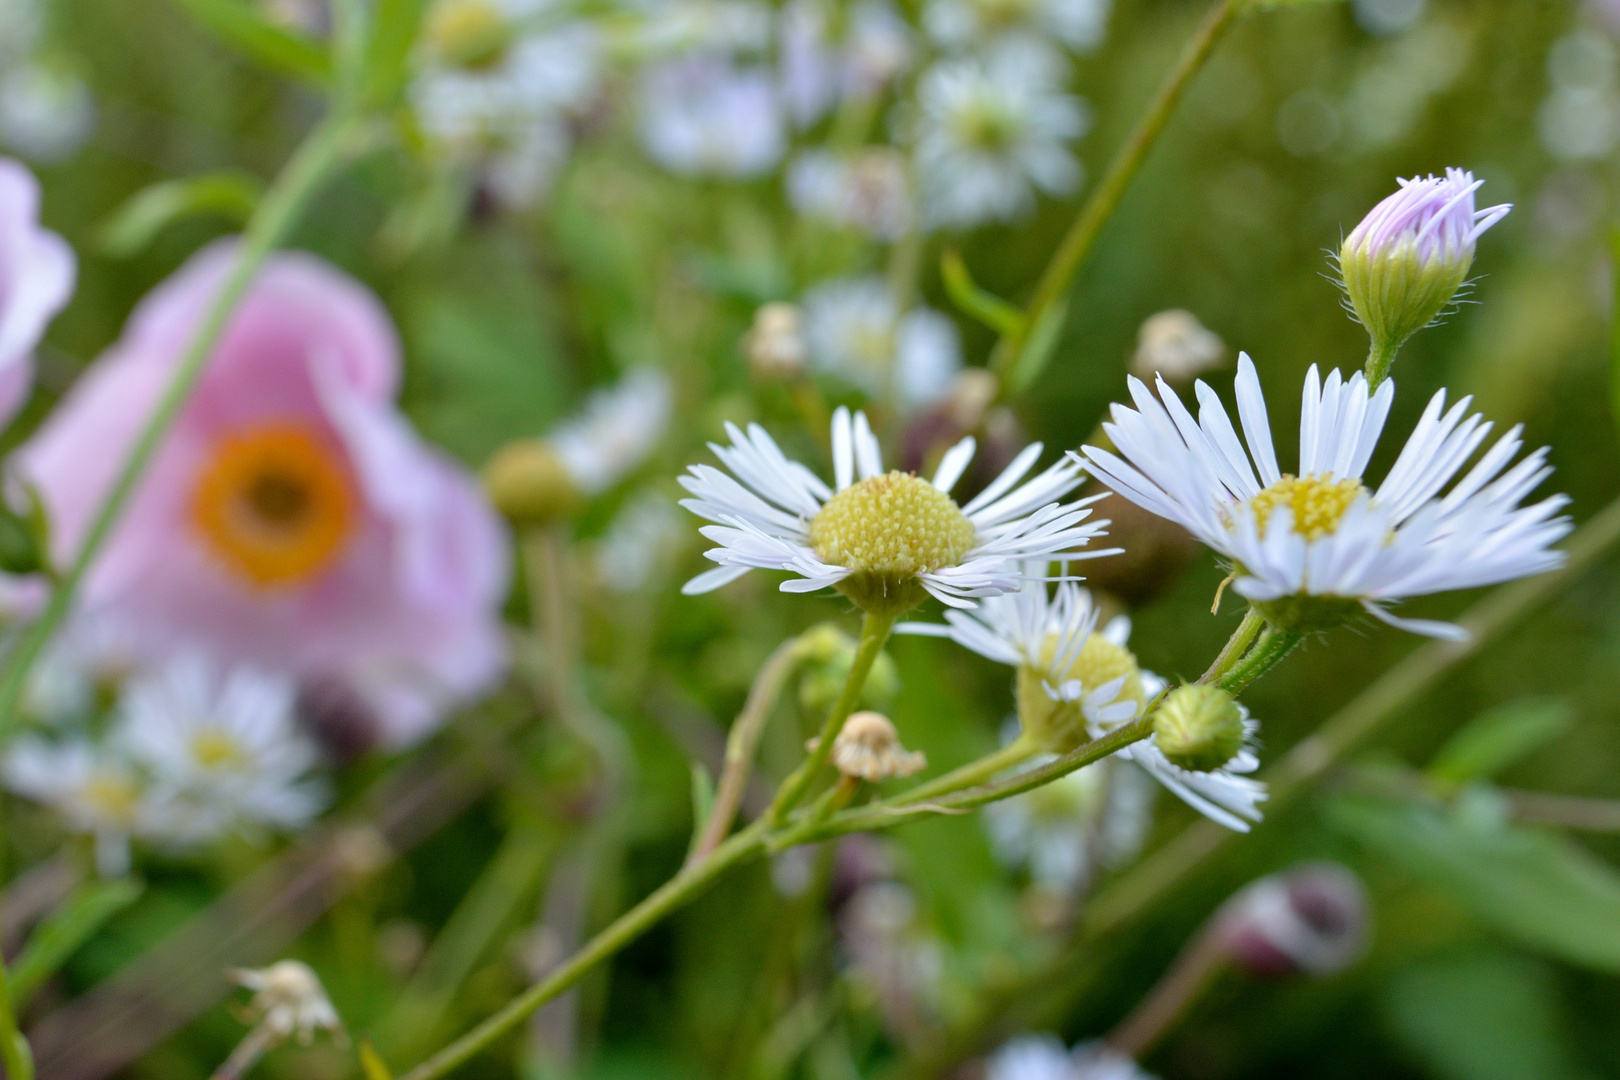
[
  {"x": 743, "y": 743},
  {"x": 1077, "y": 244},
  {"x": 322, "y": 152},
  {"x": 1380, "y": 358},
  {"x": 1172, "y": 996},
  {"x": 973, "y": 773},
  {"x": 1269, "y": 649},
  {"x": 14, "y": 1049},
  {"x": 874, "y": 633},
  {"x": 1236, "y": 646},
  {"x": 692, "y": 879},
  {"x": 246, "y": 1055}
]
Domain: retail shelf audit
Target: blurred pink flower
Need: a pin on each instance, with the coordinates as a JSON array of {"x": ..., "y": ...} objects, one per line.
[
  {"x": 37, "y": 270},
  {"x": 292, "y": 519}
]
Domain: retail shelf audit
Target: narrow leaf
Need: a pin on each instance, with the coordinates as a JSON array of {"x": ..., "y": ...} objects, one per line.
[
  {"x": 702, "y": 800},
  {"x": 988, "y": 308},
  {"x": 395, "y": 25},
  {"x": 1499, "y": 738},
  {"x": 59, "y": 936},
  {"x": 1037, "y": 353},
  {"x": 1535, "y": 887},
  {"x": 231, "y": 195},
  {"x": 371, "y": 1062},
  {"x": 242, "y": 27}
]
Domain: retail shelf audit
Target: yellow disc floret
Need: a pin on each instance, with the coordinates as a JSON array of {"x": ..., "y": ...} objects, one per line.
[
  {"x": 888, "y": 529},
  {"x": 1059, "y": 726},
  {"x": 1316, "y": 502},
  {"x": 467, "y": 33}
]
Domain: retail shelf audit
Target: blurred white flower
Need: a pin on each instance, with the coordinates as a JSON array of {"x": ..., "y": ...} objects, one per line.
[
  {"x": 960, "y": 24},
  {"x": 46, "y": 113},
  {"x": 713, "y": 26},
  {"x": 94, "y": 791},
  {"x": 855, "y": 330},
  {"x": 819, "y": 68},
  {"x": 91, "y": 653},
  {"x": 705, "y": 116},
  {"x": 223, "y": 749},
  {"x": 501, "y": 80},
  {"x": 641, "y": 544},
  {"x": 1044, "y": 1057},
  {"x": 1062, "y": 831},
  {"x": 20, "y": 25},
  {"x": 288, "y": 1000},
  {"x": 891, "y": 956},
  {"x": 867, "y": 190},
  {"x": 1176, "y": 345},
  {"x": 992, "y": 131},
  {"x": 615, "y": 431}
]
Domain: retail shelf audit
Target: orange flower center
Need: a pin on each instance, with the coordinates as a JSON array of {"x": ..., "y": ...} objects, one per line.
[{"x": 274, "y": 503}]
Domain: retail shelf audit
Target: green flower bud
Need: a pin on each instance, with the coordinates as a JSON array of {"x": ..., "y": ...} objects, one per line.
[
  {"x": 529, "y": 483},
  {"x": 1199, "y": 727}
]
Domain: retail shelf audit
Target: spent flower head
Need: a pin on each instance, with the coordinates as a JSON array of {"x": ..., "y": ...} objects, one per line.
[
  {"x": 868, "y": 747},
  {"x": 289, "y": 1000},
  {"x": 886, "y": 540},
  {"x": 1314, "y": 548},
  {"x": 1406, "y": 260}
]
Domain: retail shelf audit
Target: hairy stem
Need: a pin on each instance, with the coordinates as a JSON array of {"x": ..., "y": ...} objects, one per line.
[
  {"x": 1236, "y": 646},
  {"x": 1269, "y": 650},
  {"x": 743, "y": 743},
  {"x": 874, "y": 633},
  {"x": 1077, "y": 244},
  {"x": 973, "y": 773},
  {"x": 1380, "y": 358},
  {"x": 323, "y": 151}
]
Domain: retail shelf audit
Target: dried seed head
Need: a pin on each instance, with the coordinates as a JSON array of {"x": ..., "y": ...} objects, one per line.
[{"x": 869, "y": 748}]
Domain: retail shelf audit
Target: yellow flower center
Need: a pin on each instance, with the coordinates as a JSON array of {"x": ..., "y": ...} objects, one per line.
[
  {"x": 215, "y": 749},
  {"x": 894, "y": 525},
  {"x": 1317, "y": 502},
  {"x": 1003, "y": 13},
  {"x": 275, "y": 504},
  {"x": 986, "y": 126},
  {"x": 1059, "y": 726},
  {"x": 467, "y": 33},
  {"x": 113, "y": 795}
]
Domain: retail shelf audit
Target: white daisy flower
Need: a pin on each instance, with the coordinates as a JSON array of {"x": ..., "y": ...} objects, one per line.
[
  {"x": 855, "y": 330},
  {"x": 704, "y": 116},
  {"x": 222, "y": 747},
  {"x": 869, "y": 190},
  {"x": 1313, "y": 548},
  {"x": 93, "y": 790},
  {"x": 958, "y": 24},
  {"x": 615, "y": 431},
  {"x": 991, "y": 131},
  {"x": 884, "y": 539},
  {"x": 1075, "y": 684}
]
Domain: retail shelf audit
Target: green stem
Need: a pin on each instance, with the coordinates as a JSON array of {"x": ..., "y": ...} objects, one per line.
[
  {"x": 324, "y": 150},
  {"x": 621, "y": 932},
  {"x": 1066, "y": 261},
  {"x": 1380, "y": 358},
  {"x": 14, "y": 1050},
  {"x": 973, "y": 773},
  {"x": 1269, "y": 649},
  {"x": 743, "y": 743},
  {"x": 874, "y": 633},
  {"x": 1236, "y": 646}
]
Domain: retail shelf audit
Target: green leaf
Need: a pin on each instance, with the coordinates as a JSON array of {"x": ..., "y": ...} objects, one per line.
[
  {"x": 241, "y": 26},
  {"x": 1500, "y": 737},
  {"x": 395, "y": 24},
  {"x": 988, "y": 308},
  {"x": 1614, "y": 341},
  {"x": 70, "y": 926},
  {"x": 1535, "y": 887},
  {"x": 1038, "y": 348},
  {"x": 232, "y": 195},
  {"x": 371, "y": 1062},
  {"x": 1489, "y": 1015}
]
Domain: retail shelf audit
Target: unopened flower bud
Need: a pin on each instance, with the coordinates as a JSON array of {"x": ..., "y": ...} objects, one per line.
[
  {"x": 1176, "y": 345},
  {"x": 775, "y": 344},
  {"x": 467, "y": 33},
  {"x": 529, "y": 482},
  {"x": 1199, "y": 727},
  {"x": 1311, "y": 919},
  {"x": 869, "y": 748},
  {"x": 1406, "y": 260}
]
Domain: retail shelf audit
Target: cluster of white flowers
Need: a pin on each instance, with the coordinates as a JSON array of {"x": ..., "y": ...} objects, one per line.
[{"x": 191, "y": 752}]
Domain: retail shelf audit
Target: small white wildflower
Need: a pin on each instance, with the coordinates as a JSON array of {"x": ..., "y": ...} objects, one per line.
[
  {"x": 1176, "y": 345},
  {"x": 94, "y": 790},
  {"x": 639, "y": 547},
  {"x": 869, "y": 190},
  {"x": 855, "y": 330},
  {"x": 46, "y": 112},
  {"x": 959, "y": 24},
  {"x": 705, "y": 116},
  {"x": 615, "y": 431}
]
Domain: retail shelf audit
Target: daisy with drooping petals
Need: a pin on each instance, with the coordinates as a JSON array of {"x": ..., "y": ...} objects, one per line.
[
  {"x": 1312, "y": 549},
  {"x": 886, "y": 540},
  {"x": 1076, "y": 683}
]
